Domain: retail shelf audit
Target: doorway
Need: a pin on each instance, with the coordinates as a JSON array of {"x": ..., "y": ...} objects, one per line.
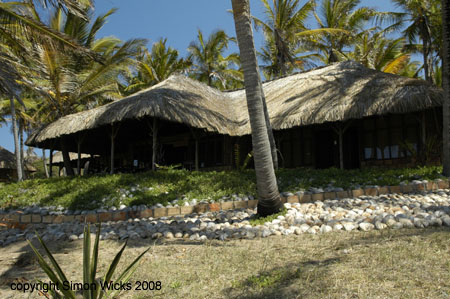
[
  {"x": 351, "y": 148},
  {"x": 326, "y": 149}
]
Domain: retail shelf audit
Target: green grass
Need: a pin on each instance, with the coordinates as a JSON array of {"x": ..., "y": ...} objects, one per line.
[
  {"x": 92, "y": 192},
  {"x": 406, "y": 263},
  {"x": 261, "y": 220}
]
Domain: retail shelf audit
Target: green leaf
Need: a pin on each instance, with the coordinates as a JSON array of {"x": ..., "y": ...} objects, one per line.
[
  {"x": 126, "y": 274},
  {"x": 94, "y": 262},
  {"x": 50, "y": 273},
  {"x": 113, "y": 266},
  {"x": 86, "y": 259},
  {"x": 59, "y": 271}
]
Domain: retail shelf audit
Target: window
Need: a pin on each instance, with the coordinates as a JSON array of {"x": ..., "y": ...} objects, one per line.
[{"x": 383, "y": 137}]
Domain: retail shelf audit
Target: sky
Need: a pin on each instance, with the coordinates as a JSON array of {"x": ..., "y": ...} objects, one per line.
[{"x": 176, "y": 20}]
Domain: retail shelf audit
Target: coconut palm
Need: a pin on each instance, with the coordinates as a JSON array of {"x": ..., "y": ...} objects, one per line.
[
  {"x": 156, "y": 66},
  {"x": 375, "y": 51},
  {"x": 446, "y": 85},
  {"x": 343, "y": 15},
  {"x": 423, "y": 19},
  {"x": 268, "y": 195},
  {"x": 17, "y": 30},
  {"x": 284, "y": 19},
  {"x": 24, "y": 118},
  {"x": 285, "y": 33},
  {"x": 68, "y": 81},
  {"x": 209, "y": 63}
]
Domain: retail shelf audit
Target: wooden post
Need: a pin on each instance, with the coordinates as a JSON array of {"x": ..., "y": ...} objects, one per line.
[
  {"x": 341, "y": 147},
  {"x": 45, "y": 163},
  {"x": 340, "y": 132},
  {"x": 114, "y": 131},
  {"x": 79, "y": 157},
  {"x": 66, "y": 158},
  {"x": 112, "y": 150},
  {"x": 154, "y": 142},
  {"x": 51, "y": 162},
  {"x": 196, "y": 154},
  {"x": 424, "y": 131}
]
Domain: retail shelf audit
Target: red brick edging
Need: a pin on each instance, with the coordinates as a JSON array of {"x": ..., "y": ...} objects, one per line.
[{"x": 20, "y": 220}]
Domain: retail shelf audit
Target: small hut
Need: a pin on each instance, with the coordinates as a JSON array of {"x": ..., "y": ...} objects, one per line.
[
  {"x": 57, "y": 160},
  {"x": 8, "y": 169}
]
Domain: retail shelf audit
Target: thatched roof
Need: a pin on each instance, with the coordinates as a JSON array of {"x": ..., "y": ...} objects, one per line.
[
  {"x": 58, "y": 158},
  {"x": 337, "y": 92},
  {"x": 8, "y": 161}
]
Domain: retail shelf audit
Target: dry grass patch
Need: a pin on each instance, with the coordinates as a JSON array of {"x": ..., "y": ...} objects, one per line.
[{"x": 402, "y": 264}]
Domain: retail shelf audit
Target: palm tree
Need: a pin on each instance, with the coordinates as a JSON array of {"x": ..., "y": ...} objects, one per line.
[
  {"x": 284, "y": 20},
  {"x": 17, "y": 31},
  {"x": 343, "y": 15},
  {"x": 285, "y": 34},
  {"x": 446, "y": 85},
  {"x": 68, "y": 81},
  {"x": 375, "y": 51},
  {"x": 23, "y": 119},
  {"x": 209, "y": 63},
  {"x": 155, "y": 66},
  {"x": 268, "y": 195},
  {"x": 424, "y": 19}
]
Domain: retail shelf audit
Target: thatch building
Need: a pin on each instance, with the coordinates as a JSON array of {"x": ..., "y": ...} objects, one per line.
[
  {"x": 8, "y": 169},
  {"x": 342, "y": 115}
]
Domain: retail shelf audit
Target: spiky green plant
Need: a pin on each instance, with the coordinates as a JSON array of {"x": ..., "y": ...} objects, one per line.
[{"x": 57, "y": 276}]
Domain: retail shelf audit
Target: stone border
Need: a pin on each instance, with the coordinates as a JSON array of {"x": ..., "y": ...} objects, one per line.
[{"x": 21, "y": 220}]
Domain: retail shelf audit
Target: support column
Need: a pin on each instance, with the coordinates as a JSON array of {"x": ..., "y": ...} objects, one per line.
[
  {"x": 423, "y": 127},
  {"x": 45, "y": 163},
  {"x": 79, "y": 157},
  {"x": 50, "y": 158},
  {"x": 196, "y": 154},
  {"x": 340, "y": 130},
  {"x": 341, "y": 147},
  {"x": 66, "y": 158},
  {"x": 154, "y": 142},
  {"x": 114, "y": 131},
  {"x": 112, "y": 151}
]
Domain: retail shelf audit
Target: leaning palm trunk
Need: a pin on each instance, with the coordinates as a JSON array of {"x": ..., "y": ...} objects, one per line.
[
  {"x": 66, "y": 159},
  {"x": 266, "y": 183},
  {"x": 16, "y": 141},
  {"x": 446, "y": 85}
]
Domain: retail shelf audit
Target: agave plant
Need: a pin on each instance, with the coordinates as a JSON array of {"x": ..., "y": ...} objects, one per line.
[{"x": 96, "y": 287}]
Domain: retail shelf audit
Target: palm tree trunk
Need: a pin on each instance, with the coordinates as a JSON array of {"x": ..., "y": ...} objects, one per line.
[
  {"x": 16, "y": 141},
  {"x": 47, "y": 175},
  {"x": 268, "y": 195},
  {"x": 446, "y": 85},
  {"x": 273, "y": 146},
  {"x": 426, "y": 67}
]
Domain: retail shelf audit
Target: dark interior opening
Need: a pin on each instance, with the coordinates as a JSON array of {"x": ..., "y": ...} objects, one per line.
[
  {"x": 351, "y": 148},
  {"x": 326, "y": 149}
]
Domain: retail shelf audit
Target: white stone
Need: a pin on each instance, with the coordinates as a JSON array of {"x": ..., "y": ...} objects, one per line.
[{"x": 365, "y": 226}]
